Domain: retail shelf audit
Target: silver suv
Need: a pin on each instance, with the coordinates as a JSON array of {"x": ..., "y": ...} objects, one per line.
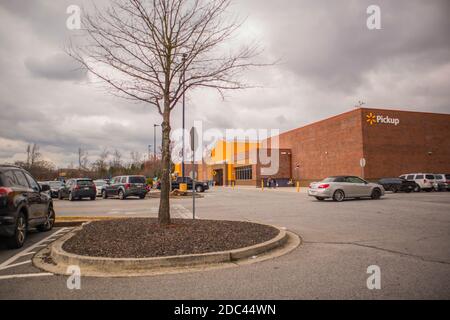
[{"x": 125, "y": 186}]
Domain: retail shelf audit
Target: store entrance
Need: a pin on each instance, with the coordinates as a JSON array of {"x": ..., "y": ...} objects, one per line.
[{"x": 218, "y": 177}]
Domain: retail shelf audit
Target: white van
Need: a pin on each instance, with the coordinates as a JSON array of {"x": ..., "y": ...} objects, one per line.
[{"x": 424, "y": 181}]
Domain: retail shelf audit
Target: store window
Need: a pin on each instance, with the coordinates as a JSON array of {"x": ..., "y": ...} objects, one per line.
[{"x": 244, "y": 173}]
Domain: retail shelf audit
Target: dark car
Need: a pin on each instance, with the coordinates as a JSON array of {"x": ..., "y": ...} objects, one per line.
[
  {"x": 77, "y": 189},
  {"x": 55, "y": 186},
  {"x": 200, "y": 186},
  {"x": 397, "y": 184},
  {"x": 126, "y": 186},
  {"x": 23, "y": 205}
]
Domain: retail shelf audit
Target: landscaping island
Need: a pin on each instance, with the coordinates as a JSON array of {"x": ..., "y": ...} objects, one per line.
[
  {"x": 145, "y": 238},
  {"x": 140, "y": 246}
]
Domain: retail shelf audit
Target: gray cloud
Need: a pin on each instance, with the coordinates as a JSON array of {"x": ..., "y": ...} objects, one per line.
[
  {"x": 329, "y": 61},
  {"x": 56, "y": 67}
]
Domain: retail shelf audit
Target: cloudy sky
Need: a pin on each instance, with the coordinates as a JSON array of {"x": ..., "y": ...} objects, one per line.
[{"x": 328, "y": 61}]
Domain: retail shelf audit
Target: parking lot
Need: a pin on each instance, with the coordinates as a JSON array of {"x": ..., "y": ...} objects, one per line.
[{"x": 406, "y": 235}]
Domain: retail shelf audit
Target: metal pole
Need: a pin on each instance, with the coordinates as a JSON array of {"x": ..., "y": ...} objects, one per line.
[
  {"x": 193, "y": 181},
  {"x": 154, "y": 142},
  {"x": 184, "y": 103}
]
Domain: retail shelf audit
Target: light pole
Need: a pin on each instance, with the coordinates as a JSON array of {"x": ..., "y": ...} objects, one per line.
[
  {"x": 154, "y": 141},
  {"x": 149, "y": 151},
  {"x": 184, "y": 103}
]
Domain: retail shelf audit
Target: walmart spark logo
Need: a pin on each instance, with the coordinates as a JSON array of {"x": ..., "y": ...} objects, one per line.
[
  {"x": 376, "y": 119},
  {"x": 371, "y": 118}
]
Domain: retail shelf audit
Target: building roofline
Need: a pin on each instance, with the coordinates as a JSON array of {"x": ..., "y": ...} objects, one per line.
[
  {"x": 408, "y": 111},
  {"x": 359, "y": 109}
]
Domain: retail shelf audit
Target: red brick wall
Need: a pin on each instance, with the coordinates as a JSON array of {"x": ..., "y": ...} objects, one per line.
[
  {"x": 393, "y": 150},
  {"x": 329, "y": 147}
]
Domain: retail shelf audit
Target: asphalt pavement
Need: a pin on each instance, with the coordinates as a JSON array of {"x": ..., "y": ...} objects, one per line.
[{"x": 406, "y": 235}]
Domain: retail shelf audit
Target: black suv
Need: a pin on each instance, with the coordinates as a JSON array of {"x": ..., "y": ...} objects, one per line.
[
  {"x": 78, "y": 189},
  {"x": 23, "y": 205},
  {"x": 126, "y": 186},
  {"x": 200, "y": 186},
  {"x": 397, "y": 184}
]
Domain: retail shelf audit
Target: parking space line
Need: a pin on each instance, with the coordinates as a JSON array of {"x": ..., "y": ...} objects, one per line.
[
  {"x": 27, "y": 253},
  {"x": 28, "y": 275},
  {"x": 30, "y": 248},
  {"x": 15, "y": 265}
]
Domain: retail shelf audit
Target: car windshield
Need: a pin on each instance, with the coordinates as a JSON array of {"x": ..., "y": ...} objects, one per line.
[
  {"x": 55, "y": 184},
  {"x": 85, "y": 182},
  {"x": 99, "y": 183},
  {"x": 137, "y": 180},
  {"x": 333, "y": 179}
]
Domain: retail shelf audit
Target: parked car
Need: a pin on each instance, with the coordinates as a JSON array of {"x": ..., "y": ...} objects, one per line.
[
  {"x": 77, "y": 189},
  {"x": 23, "y": 205},
  {"x": 397, "y": 184},
  {"x": 99, "y": 185},
  {"x": 339, "y": 188},
  {"x": 125, "y": 186},
  {"x": 200, "y": 186},
  {"x": 440, "y": 182},
  {"x": 424, "y": 181},
  {"x": 47, "y": 186},
  {"x": 55, "y": 186}
]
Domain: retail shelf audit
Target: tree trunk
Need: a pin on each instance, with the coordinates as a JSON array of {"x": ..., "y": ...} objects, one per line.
[{"x": 164, "y": 205}]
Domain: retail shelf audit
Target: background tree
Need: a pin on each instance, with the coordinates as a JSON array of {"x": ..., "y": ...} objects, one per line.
[
  {"x": 83, "y": 159},
  {"x": 155, "y": 50},
  {"x": 100, "y": 166},
  {"x": 33, "y": 155}
]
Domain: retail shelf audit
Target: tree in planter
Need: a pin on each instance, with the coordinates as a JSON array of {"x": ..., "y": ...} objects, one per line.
[{"x": 155, "y": 50}]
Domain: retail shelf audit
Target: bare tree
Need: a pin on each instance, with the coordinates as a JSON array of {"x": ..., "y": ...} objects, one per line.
[
  {"x": 136, "y": 160},
  {"x": 116, "y": 161},
  {"x": 155, "y": 50},
  {"x": 33, "y": 155},
  {"x": 82, "y": 159},
  {"x": 100, "y": 165}
]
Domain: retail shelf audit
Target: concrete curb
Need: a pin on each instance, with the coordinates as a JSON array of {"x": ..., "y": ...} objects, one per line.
[{"x": 60, "y": 259}]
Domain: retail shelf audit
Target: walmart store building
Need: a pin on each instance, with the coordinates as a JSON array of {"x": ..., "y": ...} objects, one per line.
[{"x": 391, "y": 143}]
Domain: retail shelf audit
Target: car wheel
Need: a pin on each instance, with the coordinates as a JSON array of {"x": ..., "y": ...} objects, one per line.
[
  {"x": 417, "y": 188},
  {"x": 320, "y": 198},
  {"x": 93, "y": 198},
  {"x": 20, "y": 233},
  {"x": 376, "y": 194},
  {"x": 394, "y": 189},
  {"x": 142, "y": 196},
  {"x": 104, "y": 195},
  {"x": 408, "y": 190},
  {"x": 60, "y": 195},
  {"x": 121, "y": 195},
  {"x": 199, "y": 189},
  {"x": 71, "y": 198},
  {"x": 338, "y": 195},
  {"x": 48, "y": 225}
]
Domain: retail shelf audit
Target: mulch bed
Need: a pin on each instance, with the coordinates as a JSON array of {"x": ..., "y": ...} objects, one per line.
[{"x": 144, "y": 238}]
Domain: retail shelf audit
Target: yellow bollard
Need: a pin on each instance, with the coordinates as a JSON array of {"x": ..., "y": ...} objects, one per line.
[
  {"x": 262, "y": 184},
  {"x": 298, "y": 186}
]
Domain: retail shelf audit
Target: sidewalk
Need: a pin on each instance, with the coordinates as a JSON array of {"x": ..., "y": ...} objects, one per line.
[{"x": 303, "y": 190}]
